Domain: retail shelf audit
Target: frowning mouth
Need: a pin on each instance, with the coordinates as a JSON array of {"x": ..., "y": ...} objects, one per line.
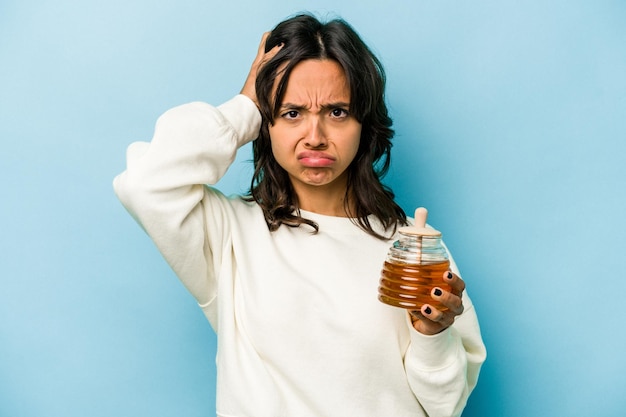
[{"x": 315, "y": 159}]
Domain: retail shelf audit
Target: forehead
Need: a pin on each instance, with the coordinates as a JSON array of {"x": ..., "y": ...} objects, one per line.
[{"x": 317, "y": 80}]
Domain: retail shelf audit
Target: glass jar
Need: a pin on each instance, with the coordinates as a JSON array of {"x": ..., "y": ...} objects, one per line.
[{"x": 415, "y": 264}]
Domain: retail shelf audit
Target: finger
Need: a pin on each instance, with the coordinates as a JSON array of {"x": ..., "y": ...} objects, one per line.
[
  {"x": 427, "y": 312},
  {"x": 261, "y": 59},
  {"x": 272, "y": 52},
  {"x": 260, "y": 53},
  {"x": 429, "y": 321},
  {"x": 416, "y": 315},
  {"x": 455, "y": 282},
  {"x": 442, "y": 319},
  {"x": 431, "y": 313},
  {"x": 261, "y": 50},
  {"x": 262, "y": 56},
  {"x": 453, "y": 302}
]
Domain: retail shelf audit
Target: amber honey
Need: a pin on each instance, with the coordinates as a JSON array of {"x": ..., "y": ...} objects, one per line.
[{"x": 409, "y": 285}]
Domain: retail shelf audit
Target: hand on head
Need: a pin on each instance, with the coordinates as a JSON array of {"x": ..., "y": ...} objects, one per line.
[{"x": 261, "y": 59}]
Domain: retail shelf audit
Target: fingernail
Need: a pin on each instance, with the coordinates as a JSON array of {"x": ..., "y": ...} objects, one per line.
[
  {"x": 449, "y": 276},
  {"x": 438, "y": 292},
  {"x": 427, "y": 310}
]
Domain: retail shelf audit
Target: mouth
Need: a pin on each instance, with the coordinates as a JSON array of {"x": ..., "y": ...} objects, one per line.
[{"x": 314, "y": 159}]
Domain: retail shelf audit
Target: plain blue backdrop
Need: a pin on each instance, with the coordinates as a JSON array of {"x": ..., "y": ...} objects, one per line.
[{"x": 511, "y": 129}]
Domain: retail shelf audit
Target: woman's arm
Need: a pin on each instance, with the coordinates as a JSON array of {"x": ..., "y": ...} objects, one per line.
[
  {"x": 164, "y": 189},
  {"x": 442, "y": 368}
]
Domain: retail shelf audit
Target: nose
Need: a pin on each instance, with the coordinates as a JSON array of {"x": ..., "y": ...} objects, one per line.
[{"x": 315, "y": 135}]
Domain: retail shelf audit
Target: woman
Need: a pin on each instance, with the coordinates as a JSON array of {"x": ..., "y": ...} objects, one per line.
[{"x": 287, "y": 276}]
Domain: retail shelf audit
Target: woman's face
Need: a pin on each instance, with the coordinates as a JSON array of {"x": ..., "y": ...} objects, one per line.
[{"x": 314, "y": 138}]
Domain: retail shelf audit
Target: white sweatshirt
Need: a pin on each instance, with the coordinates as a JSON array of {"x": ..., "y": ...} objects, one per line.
[{"x": 300, "y": 330}]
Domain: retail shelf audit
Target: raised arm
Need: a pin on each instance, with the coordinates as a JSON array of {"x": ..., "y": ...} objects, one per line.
[
  {"x": 164, "y": 185},
  {"x": 164, "y": 189}
]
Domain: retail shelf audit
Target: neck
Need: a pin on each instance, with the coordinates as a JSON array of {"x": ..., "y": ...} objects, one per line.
[{"x": 329, "y": 201}]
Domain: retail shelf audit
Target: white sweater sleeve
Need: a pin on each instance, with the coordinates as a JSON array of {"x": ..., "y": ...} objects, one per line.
[
  {"x": 443, "y": 369},
  {"x": 163, "y": 186}
]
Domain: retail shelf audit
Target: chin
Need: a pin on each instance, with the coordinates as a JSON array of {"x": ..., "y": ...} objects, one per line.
[{"x": 318, "y": 179}]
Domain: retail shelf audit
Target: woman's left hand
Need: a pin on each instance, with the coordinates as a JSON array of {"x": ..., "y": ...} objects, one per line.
[{"x": 429, "y": 320}]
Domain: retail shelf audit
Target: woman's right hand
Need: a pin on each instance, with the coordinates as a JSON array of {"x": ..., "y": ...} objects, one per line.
[{"x": 261, "y": 59}]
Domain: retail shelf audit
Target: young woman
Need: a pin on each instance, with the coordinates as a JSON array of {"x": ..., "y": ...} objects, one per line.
[{"x": 288, "y": 275}]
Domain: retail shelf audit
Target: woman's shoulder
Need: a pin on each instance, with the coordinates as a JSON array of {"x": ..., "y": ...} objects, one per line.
[{"x": 235, "y": 207}]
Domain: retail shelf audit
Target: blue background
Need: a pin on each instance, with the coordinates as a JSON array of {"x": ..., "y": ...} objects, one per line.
[{"x": 511, "y": 129}]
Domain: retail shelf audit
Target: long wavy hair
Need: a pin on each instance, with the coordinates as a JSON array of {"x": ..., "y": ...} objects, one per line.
[{"x": 305, "y": 37}]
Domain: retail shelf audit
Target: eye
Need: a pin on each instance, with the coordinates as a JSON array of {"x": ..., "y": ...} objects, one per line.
[
  {"x": 291, "y": 114},
  {"x": 339, "y": 113}
]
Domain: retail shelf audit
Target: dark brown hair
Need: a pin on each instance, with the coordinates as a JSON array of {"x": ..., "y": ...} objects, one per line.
[{"x": 305, "y": 37}]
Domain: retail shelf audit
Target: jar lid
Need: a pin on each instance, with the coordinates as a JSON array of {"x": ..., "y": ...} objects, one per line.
[{"x": 419, "y": 228}]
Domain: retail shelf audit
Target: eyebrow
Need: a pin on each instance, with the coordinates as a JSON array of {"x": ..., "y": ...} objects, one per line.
[{"x": 327, "y": 106}]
